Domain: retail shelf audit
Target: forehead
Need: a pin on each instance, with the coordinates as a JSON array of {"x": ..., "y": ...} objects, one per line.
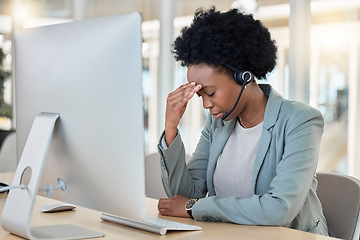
[{"x": 203, "y": 74}]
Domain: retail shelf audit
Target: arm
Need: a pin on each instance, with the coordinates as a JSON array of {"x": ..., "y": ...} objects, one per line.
[
  {"x": 184, "y": 181},
  {"x": 176, "y": 103},
  {"x": 179, "y": 178}
]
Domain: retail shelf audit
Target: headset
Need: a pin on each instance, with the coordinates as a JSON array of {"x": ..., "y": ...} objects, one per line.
[{"x": 242, "y": 78}]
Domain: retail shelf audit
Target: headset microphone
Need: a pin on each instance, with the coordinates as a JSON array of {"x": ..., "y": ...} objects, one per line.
[{"x": 241, "y": 78}]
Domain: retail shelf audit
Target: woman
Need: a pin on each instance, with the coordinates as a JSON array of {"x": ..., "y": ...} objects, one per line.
[{"x": 256, "y": 158}]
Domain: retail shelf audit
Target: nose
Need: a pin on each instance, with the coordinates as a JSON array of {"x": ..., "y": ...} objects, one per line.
[{"x": 207, "y": 103}]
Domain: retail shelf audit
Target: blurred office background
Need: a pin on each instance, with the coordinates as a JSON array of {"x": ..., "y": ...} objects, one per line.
[{"x": 318, "y": 60}]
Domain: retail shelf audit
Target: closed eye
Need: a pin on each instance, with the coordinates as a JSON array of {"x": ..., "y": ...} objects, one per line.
[
  {"x": 212, "y": 94},
  {"x": 205, "y": 90}
]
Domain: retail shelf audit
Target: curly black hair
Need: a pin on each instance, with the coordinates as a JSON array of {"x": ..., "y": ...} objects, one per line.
[{"x": 232, "y": 38}]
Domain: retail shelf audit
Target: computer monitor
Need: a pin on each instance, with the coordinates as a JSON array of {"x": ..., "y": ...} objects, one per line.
[{"x": 89, "y": 72}]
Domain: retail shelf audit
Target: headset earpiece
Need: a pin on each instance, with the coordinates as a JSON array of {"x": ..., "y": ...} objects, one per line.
[
  {"x": 240, "y": 77},
  {"x": 243, "y": 77}
]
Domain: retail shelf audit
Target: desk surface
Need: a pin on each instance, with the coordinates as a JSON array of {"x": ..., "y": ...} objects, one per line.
[{"x": 90, "y": 219}]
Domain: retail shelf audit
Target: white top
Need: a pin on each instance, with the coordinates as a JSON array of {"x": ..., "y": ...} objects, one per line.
[{"x": 234, "y": 168}]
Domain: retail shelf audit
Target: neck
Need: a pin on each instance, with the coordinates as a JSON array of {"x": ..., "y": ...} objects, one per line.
[{"x": 254, "y": 110}]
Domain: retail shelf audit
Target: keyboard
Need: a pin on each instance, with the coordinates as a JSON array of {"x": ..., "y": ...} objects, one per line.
[{"x": 150, "y": 224}]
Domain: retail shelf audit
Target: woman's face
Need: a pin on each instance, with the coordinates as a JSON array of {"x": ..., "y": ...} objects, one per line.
[{"x": 219, "y": 91}]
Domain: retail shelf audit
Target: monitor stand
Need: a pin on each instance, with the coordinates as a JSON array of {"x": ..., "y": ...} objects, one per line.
[{"x": 19, "y": 206}]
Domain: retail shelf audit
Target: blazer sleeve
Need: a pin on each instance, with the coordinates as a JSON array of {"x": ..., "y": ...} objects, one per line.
[
  {"x": 183, "y": 179},
  {"x": 291, "y": 180}
]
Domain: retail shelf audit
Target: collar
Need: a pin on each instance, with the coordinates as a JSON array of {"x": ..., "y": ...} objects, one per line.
[{"x": 273, "y": 105}]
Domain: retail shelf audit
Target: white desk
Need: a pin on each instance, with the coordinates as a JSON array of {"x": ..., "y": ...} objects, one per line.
[{"x": 89, "y": 218}]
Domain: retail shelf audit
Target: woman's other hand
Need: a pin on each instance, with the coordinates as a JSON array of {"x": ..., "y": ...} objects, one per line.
[{"x": 174, "y": 206}]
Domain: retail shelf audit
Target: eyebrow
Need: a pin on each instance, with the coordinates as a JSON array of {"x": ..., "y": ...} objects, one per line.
[{"x": 203, "y": 89}]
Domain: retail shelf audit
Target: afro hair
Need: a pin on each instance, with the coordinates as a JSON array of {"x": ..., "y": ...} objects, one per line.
[{"x": 226, "y": 38}]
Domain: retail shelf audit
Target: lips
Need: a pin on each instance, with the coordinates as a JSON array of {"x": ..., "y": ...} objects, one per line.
[{"x": 217, "y": 115}]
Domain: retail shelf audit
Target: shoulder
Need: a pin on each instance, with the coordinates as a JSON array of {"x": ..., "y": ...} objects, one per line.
[
  {"x": 296, "y": 117},
  {"x": 283, "y": 111},
  {"x": 289, "y": 114},
  {"x": 298, "y": 110},
  {"x": 280, "y": 109}
]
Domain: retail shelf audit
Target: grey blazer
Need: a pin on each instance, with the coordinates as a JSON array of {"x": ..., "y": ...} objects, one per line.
[{"x": 284, "y": 180}]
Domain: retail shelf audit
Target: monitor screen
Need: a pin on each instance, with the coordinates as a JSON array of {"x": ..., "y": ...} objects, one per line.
[{"x": 89, "y": 72}]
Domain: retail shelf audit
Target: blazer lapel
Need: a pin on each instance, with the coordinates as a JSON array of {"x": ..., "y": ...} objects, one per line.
[
  {"x": 260, "y": 156},
  {"x": 271, "y": 114}
]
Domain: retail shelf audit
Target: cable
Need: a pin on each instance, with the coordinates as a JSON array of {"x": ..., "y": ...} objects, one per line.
[
  {"x": 48, "y": 189},
  {"x": 237, "y": 100},
  {"x": 6, "y": 189}
]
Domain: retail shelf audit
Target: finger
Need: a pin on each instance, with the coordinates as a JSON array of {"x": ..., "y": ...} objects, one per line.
[
  {"x": 182, "y": 95},
  {"x": 197, "y": 88},
  {"x": 163, "y": 212},
  {"x": 163, "y": 203},
  {"x": 163, "y": 206},
  {"x": 189, "y": 91},
  {"x": 159, "y": 205},
  {"x": 183, "y": 90},
  {"x": 178, "y": 103},
  {"x": 179, "y": 94}
]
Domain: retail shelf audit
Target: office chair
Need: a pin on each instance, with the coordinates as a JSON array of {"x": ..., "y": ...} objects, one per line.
[
  {"x": 340, "y": 197},
  {"x": 153, "y": 184},
  {"x": 8, "y": 159}
]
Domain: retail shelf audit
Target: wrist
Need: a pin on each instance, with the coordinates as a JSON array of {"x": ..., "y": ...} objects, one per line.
[
  {"x": 170, "y": 135},
  {"x": 189, "y": 205},
  {"x": 170, "y": 129}
]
